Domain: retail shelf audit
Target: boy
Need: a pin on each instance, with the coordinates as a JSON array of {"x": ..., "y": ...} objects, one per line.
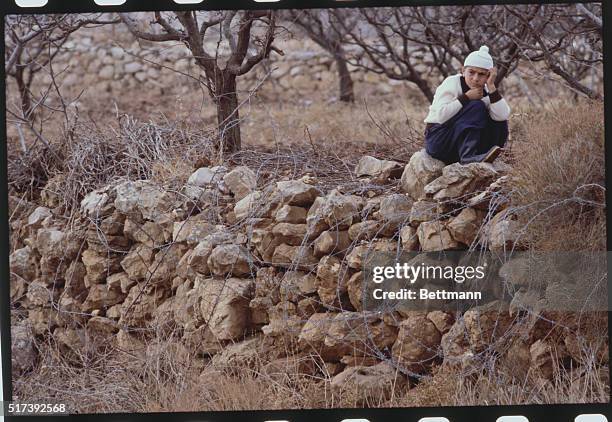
[{"x": 466, "y": 122}]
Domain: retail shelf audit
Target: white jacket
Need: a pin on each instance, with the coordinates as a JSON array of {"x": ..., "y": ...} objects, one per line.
[{"x": 445, "y": 103}]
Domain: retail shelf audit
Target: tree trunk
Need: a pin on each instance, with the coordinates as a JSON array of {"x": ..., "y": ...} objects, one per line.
[
  {"x": 24, "y": 94},
  {"x": 347, "y": 93},
  {"x": 228, "y": 116}
]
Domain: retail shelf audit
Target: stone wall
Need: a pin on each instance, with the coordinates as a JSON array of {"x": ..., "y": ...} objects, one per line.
[{"x": 245, "y": 275}]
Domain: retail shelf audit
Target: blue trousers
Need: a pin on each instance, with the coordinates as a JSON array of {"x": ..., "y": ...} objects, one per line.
[{"x": 467, "y": 136}]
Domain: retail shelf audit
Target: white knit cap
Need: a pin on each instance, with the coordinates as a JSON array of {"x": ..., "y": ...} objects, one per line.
[{"x": 480, "y": 58}]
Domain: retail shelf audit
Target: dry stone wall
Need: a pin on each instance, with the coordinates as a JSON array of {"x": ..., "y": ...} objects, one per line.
[{"x": 234, "y": 271}]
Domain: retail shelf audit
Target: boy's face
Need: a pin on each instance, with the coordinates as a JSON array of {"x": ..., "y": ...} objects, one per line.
[{"x": 475, "y": 77}]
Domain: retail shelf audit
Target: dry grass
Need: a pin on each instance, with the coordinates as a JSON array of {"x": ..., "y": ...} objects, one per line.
[
  {"x": 559, "y": 170},
  {"x": 99, "y": 378}
]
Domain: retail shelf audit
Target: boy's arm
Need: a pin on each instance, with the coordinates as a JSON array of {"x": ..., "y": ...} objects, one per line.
[
  {"x": 445, "y": 103},
  {"x": 499, "y": 110}
]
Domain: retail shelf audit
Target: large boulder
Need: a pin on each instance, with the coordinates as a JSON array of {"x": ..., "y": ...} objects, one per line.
[{"x": 420, "y": 170}]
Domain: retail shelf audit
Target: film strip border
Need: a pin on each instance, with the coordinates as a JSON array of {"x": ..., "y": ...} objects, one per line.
[{"x": 63, "y": 6}]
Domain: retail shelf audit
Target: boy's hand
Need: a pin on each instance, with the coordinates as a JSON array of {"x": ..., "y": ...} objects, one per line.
[
  {"x": 475, "y": 94},
  {"x": 491, "y": 80}
]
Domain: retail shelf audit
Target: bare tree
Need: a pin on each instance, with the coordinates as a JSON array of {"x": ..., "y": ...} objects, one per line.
[
  {"x": 317, "y": 24},
  {"x": 32, "y": 42},
  {"x": 248, "y": 37},
  {"x": 423, "y": 44}
]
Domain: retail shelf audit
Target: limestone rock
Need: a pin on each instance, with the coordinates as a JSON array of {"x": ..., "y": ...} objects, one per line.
[
  {"x": 290, "y": 234},
  {"x": 502, "y": 232},
  {"x": 465, "y": 227},
  {"x": 395, "y": 210},
  {"x": 37, "y": 217},
  {"x": 410, "y": 239},
  {"x": 163, "y": 267},
  {"x": 137, "y": 262},
  {"x": 138, "y": 307},
  {"x": 143, "y": 198},
  {"x": 291, "y": 214},
  {"x": 379, "y": 169},
  {"x": 255, "y": 204},
  {"x": 546, "y": 357},
  {"x": 355, "y": 259},
  {"x": 423, "y": 211},
  {"x": 455, "y": 343},
  {"x": 369, "y": 384},
  {"x": 355, "y": 290},
  {"x": 434, "y": 236},
  {"x": 358, "y": 334},
  {"x": 332, "y": 278},
  {"x": 23, "y": 263},
  {"x": 331, "y": 242},
  {"x": 296, "y": 192},
  {"x": 150, "y": 233},
  {"x": 313, "y": 333},
  {"x": 102, "y": 325},
  {"x": 417, "y": 343},
  {"x": 486, "y": 324},
  {"x": 205, "y": 176},
  {"x": 98, "y": 267},
  {"x": 23, "y": 352},
  {"x": 420, "y": 170},
  {"x": 315, "y": 220},
  {"x": 192, "y": 231},
  {"x": 295, "y": 257},
  {"x": 230, "y": 259},
  {"x": 341, "y": 211},
  {"x": 94, "y": 202},
  {"x": 458, "y": 180},
  {"x": 442, "y": 320},
  {"x": 365, "y": 230},
  {"x": 100, "y": 297},
  {"x": 224, "y": 306},
  {"x": 241, "y": 181}
]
